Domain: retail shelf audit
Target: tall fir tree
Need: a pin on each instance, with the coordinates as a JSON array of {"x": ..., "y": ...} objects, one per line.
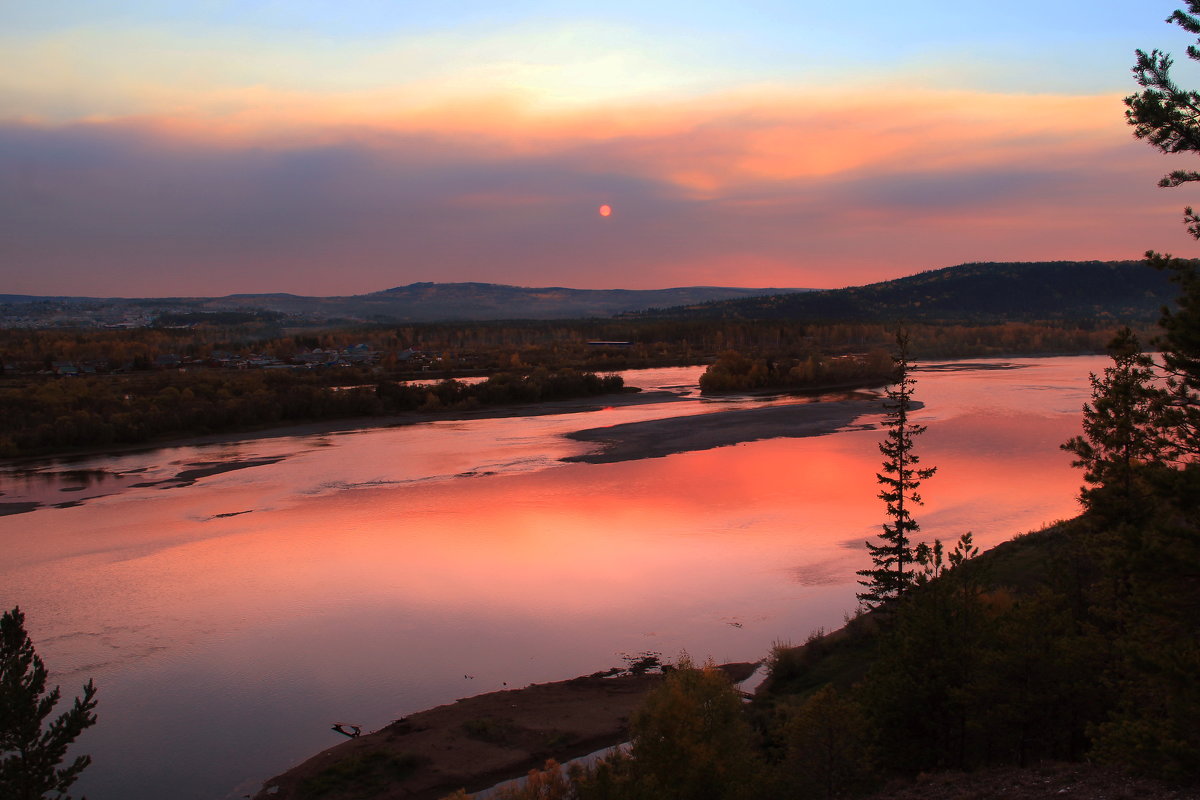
[
  {"x": 1168, "y": 117},
  {"x": 1164, "y": 114},
  {"x": 892, "y": 573},
  {"x": 30, "y": 755},
  {"x": 1120, "y": 426},
  {"x": 1179, "y": 344},
  {"x": 1151, "y": 547}
]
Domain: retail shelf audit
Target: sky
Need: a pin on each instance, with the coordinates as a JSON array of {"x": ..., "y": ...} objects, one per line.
[{"x": 211, "y": 147}]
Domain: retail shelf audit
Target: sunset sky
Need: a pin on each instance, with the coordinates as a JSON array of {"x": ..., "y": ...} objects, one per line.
[{"x": 154, "y": 147}]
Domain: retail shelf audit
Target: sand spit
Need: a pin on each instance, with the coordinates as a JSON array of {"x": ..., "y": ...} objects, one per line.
[
  {"x": 662, "y": 437},
  {"x": 476, "y": 742}
]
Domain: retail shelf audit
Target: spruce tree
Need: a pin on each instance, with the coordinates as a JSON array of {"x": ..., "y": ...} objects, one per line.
[
  {"x": 30, "y": 755},
  {"x": 1121, "y": 424},
  {"x": 1150, "y": 548},
  {"x": 1168, "y": 117},
  {"x": 1162, "y": 113},
  {"x": 901, "y": 478},
  {"x": 1179, "y": 344}
]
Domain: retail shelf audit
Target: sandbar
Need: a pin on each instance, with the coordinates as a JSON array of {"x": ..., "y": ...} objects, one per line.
[{"x": 662, "y": 437}]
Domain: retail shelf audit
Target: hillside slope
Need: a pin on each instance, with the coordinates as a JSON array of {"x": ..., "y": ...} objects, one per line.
[
  {"x": 985, "y": 292},
  {"x": 417, "y": 302}
]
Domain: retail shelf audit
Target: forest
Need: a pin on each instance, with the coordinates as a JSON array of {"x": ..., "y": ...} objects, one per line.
[{"x": 1121, "y": 291}]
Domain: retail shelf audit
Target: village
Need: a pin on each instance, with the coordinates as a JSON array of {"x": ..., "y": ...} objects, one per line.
[{"x": 358, "y": 355}]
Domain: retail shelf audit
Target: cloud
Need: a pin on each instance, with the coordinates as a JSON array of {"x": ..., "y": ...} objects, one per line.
[
  {"x": 759, "y": 186},
  {"x": 90, "y": 73}
]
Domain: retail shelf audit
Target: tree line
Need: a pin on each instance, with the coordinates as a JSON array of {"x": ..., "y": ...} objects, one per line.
[
  {"x": 736, "y": 372},
  {"x": 55, "y": 415},
  {"x": 500, "y": 345}
]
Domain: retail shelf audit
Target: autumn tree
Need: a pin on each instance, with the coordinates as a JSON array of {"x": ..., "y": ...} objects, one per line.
[
  {"x": 827, "y": 746},
  {"x": 892, "y": 573},
  {"x": 30, "y": 754},
  {"x": 691, "y": 740}
]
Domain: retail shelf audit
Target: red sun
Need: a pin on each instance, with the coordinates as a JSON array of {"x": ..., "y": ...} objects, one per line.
[{"x": 605, "y": 210}]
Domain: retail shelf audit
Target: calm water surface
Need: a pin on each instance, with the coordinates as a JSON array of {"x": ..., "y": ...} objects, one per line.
[{"x": 229, "y": 619}]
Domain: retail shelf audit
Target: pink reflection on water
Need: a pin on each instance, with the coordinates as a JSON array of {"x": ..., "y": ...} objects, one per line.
[{"x": 352, "y": 588}]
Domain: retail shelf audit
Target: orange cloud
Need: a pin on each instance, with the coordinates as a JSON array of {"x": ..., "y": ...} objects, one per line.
[{"x": 707, "y": 146}]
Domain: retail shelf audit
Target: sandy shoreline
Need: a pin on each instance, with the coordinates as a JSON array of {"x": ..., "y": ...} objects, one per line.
[{"x": 479, "y": 741}]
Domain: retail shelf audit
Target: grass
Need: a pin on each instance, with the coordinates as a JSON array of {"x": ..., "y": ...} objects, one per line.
[
  {"x": 493, "y": 730},
  {"x": 363, "y": 774}
]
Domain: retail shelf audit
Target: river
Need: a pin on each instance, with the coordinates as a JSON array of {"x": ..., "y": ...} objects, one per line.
[{"x": 230, "y": 617}]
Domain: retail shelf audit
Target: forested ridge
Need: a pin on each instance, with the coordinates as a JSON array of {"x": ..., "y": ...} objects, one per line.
[
  {"x": 977, "y": 293},
  {"x": 416, "y": 302}
]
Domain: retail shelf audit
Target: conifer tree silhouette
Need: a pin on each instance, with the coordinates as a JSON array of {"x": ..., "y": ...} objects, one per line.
[
  {"x": 892, "y": 573},
  {"x": 30, "y": 755}
]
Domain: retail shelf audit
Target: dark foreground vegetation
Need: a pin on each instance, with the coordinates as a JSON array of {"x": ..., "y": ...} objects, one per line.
[{"x": 33, "y": 748}]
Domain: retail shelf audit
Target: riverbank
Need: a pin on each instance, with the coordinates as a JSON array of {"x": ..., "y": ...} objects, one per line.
[
  {"x": 476, "y": 742},
  {"x": 362, "y": 568},
  {"x": 332, "y": 426}
]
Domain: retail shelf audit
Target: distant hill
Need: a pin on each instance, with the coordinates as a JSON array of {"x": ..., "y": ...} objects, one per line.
[
  {"x": 417, "y": 302},
  {"x": 433, "y": 302},
  {"x": 983, "y": 292},
  {"x": 1043, "y": 290}
]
